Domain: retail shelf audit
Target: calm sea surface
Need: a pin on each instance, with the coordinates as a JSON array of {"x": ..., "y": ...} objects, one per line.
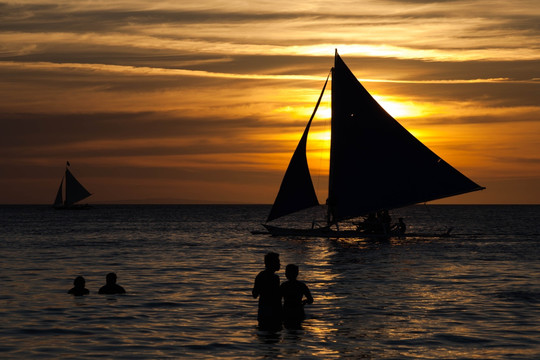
[{"x": 189, "y": 270}]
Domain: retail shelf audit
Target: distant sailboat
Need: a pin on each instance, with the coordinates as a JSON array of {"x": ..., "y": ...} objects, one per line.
[
  {"x": 74, "y": 192},
  {"x": 375, "y": 165}
]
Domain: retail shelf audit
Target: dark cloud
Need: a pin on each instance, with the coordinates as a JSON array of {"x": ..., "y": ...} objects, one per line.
[
  {"x": 32, "y": 17},
  {"x": 489, "y": 94},
  {"x": 533, "y": 160},
  {"x": 530, "y": 116},
  {"x": 73, "y": 128},
  {"x": 62, "y": 18}
]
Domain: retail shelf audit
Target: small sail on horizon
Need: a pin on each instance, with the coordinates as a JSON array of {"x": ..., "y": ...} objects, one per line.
[
  {"x": 74, "y": 191},
  {"x": 375, "y": 163}
]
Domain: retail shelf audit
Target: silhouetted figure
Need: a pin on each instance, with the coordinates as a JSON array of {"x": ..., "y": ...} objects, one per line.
[
  {"x": 293, "y": 291},
  {"x": 370, "y": 224},
  {"x": 78, "y": 288},
  {"x": 385, "y": 221},
  {"x": 400, "y": 227},
  {"x": 331, "y": 214},
  {"x": 111, "y": 287},
  {"x": 266, "y": 287}
]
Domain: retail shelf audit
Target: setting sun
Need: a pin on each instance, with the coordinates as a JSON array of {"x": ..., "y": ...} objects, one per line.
[{"x": 400, "y": 109}]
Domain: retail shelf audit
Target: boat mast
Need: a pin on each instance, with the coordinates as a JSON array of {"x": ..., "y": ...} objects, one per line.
[{"x": 330, "y": 202}]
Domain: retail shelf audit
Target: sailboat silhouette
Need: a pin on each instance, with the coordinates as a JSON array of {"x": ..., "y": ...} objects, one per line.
[
  {"x": 375, "y": 164},
  {"x": 74, "y": 192}
]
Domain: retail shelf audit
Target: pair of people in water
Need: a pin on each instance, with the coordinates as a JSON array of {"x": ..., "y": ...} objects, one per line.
[
  {"x": 110, "y": 287},
  {"x": 272, "y": 315}
]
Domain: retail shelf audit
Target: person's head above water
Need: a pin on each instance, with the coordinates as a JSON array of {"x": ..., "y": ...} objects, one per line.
[
  {"x": 79, "y": 282},
  {"x": 291, "y": 271},
  {"x": 271, "y": 261},
  {"x": 111, "y": 278}
]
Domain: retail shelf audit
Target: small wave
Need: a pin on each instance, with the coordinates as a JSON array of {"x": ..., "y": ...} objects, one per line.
[
  {"x": 461, "y": 339},
  {"x": 162, "y": 304},
  {"x": 211, "y": 346},
  {"x": 55, "y": 331},
  {"x": 5, "y": 349},
  {"x": 522, "y": 296}
]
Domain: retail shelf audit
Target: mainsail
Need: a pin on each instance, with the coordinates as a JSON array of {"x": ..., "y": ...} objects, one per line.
[
  {"x": 74, "y": 189},
  {"x": 375, "y": 163}
]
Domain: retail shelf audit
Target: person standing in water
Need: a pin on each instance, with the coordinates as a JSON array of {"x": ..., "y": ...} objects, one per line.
[
  {"x": 266, "y": 288},
  {"x": 293, "y": 291},
  {"x": 78, "y": 288},
  {"x": 111, "y": 287}
]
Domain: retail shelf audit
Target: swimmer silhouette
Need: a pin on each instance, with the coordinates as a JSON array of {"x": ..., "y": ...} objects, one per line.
[
  {"x": 111, "y": 287},
  {"x": 266, "y": 287},
  {"x": 293, "y": 291},
  {"x": 78, "y": 289}
]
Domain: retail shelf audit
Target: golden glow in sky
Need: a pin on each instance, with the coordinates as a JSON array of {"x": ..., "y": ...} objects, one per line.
[{"x": 205, "y": 101}]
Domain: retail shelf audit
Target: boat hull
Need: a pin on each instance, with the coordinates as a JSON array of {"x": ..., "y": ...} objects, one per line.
[
  {"x": 73, "y": 207},
  {"x": 328, "y": 232}
]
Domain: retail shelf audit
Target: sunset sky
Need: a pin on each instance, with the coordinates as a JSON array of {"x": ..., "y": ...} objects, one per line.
[{"x": 204, "y": 101}]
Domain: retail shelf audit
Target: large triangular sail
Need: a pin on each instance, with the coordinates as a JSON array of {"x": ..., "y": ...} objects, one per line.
[
  {"x": 74, "y": 190},
  {"x": 375, "y": 163},
  {"x": 297, "y": 191}
]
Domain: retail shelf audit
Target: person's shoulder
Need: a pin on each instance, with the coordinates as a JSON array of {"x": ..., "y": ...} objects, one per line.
[
  {"x": 266, "y": 274},
  {"x": 298, "y": 284},
  {"x": 78, "y": 292},
  {"x": 105, "y": 289},
  {"x": 260, "y": 275},
  {"x": 111, "y": 290},
  {"x": 288, "y": 285}
]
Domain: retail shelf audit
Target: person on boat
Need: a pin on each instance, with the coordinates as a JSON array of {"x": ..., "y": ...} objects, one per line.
[
  {"x": 385, "y": 221},
  {"x": 266, "y": 288},
  {"x": 293, "y": 292},
  {"x": 330, "y": 215},
  {"x": 111, "y": 287},
  {"x": 78, "y": 288},
  {"x": 400, "y": 227},
  {"x": 369, "y": 225}
]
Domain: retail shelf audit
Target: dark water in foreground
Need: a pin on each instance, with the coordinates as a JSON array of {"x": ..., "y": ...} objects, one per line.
[{"x": 189, "y": 271}]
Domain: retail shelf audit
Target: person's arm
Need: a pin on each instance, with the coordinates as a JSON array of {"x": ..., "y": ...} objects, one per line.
[
  {"x": 256, "y": 289},
  {"x": 307, "y": 294}
]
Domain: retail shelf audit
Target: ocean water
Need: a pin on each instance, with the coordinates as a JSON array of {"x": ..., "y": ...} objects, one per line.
[{"x": 189, "y": 269}]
